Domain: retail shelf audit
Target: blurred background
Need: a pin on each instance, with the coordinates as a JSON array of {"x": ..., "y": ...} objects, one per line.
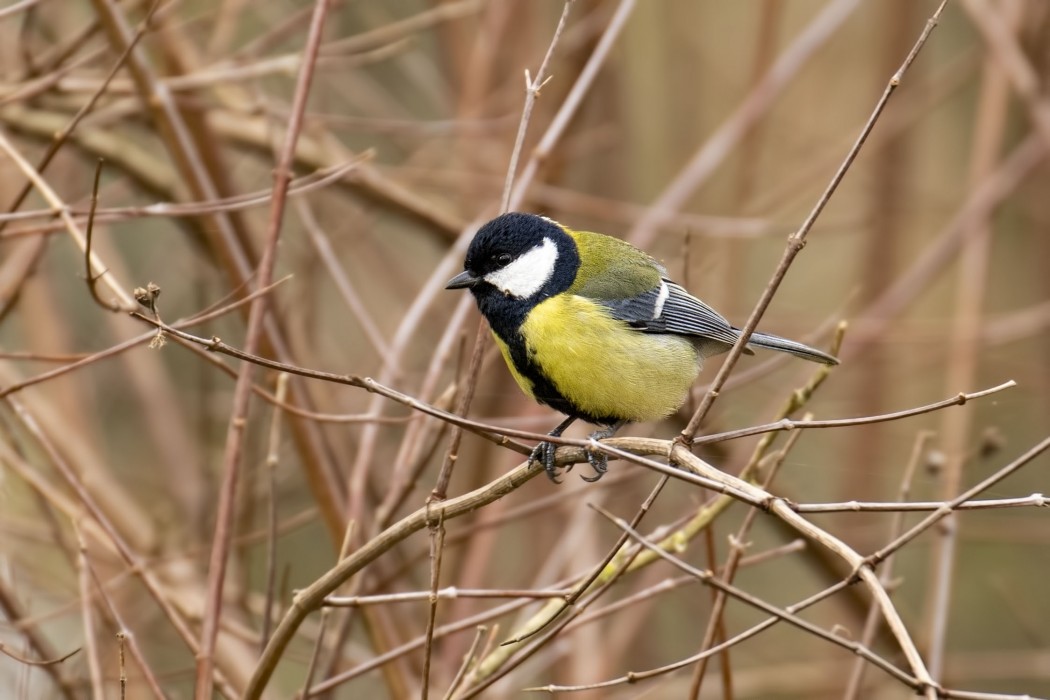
[{"x": 707, "y": 135}]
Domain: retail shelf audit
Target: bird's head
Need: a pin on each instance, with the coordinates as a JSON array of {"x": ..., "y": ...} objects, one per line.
[{"x": 522, "y": 256}]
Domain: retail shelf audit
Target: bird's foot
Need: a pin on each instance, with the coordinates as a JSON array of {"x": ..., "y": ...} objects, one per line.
[
  {"x": 599, "y": 461},
  {"x": 544, "y": 454}
]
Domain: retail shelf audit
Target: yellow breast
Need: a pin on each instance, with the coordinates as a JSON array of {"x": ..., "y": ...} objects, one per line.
[{"x": 604, "y": 368}]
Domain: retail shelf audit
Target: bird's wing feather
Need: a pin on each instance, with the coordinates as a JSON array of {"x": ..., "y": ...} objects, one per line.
[
  {"x": 668, "y": 308},
  {"x": 634, "y": 287}
]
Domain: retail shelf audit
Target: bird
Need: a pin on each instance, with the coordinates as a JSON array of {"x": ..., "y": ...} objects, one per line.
[{"x": 594, "y": 327}]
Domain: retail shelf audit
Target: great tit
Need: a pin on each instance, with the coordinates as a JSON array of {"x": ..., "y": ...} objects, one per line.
[{"x": 592, "y": 327}]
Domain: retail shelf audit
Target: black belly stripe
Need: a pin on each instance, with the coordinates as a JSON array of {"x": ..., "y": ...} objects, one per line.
[{"x": 505, "y": 315}]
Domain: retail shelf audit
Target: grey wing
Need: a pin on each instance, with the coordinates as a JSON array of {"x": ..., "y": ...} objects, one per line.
[{"x": 670, "y": 309}]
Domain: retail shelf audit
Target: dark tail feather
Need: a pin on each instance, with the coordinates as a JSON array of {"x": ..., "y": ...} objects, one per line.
[{"x": 774, "y": 342}]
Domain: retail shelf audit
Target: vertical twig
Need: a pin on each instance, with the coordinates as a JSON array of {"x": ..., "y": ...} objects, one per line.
[
  {"x": 121, "y": 637},
  {"x": 716, "y": 622},
  {"x": 532, "y": 91},
  {"x": 242, "y": 390},
  {"x": 437, "y": 550},
  {"x": 737, "y": 547},
  {"x": 963, "y": 358},
  {"x": 571, "y": 104},
  {"x": 468, "y": 382},
  {"x": 87, "y": 614},
  {"x": 468, "y": 661},
  {"x": 315, "y": 656},
  {"x": 272, "y": 461},
  {"x": 886, "y": 570}
]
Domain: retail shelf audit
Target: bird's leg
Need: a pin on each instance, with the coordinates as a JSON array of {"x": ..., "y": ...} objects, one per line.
[
  {"x": 544, "y": 452},
  {"x": 599, "y": 461}
]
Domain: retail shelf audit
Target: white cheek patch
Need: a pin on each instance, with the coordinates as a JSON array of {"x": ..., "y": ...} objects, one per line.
[{"x": 525, "y": 276}]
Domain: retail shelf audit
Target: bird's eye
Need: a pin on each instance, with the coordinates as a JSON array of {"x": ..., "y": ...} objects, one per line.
[{"x": 503, "y": 259}]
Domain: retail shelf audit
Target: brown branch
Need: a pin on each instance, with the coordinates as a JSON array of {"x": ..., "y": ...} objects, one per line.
[
  {"x": 89, "y": 275},
  {"x": 946, "y": 509},
  {"x": 571, "y": 103},
  {"x": 312, "y": 598},
  {"x": 532, "y": 91},
  {"x": 437, "y": 551},
  {"x": 254, "y": 334},
  {"x": 872, "y": 621},
  {"x": 787, "y": 424},
  {"x": 123, "y": 300},
  {"x": 58, "y": 139},
  {"x": 716, "y": 617},
  {"x": 6, "y": 651},
  {"x": 798, "y": 239}
]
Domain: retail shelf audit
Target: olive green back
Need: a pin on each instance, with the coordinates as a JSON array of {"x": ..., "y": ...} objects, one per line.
[{"x": 611, "y": 268}]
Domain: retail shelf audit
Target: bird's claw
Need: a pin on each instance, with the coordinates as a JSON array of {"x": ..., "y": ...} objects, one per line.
[
  {"x": 543, "y": 454},
  {"x": 599, "y": 462}
]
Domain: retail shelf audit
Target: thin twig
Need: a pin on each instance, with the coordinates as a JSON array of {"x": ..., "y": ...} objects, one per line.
[
  {"x": 468, "y": 661},
  {"x": 871, "y": 623},
  {"x": 299, "y": 186},
  {"x": 123, "y": 301},
  {"x": 88, "y": 616},
  {"x": 89, "y": 275},
  {"x": 437, "y": 551},
  {"x": 737, "y": 547},
  {"x": 946, "y": 509},
  {"x": 798, "y": 239},
  {"x": 1035, "y": 500},
  {"x": 7, "y": 651},
  {"x": 532, "y": 91},
  {"x": 270, "y": 466},
  {"x": 788, "y": 424},
  {"x": 253, "y": 336},
  {"x": 571, "y": 104},
  {"x": 121, "y": 639},
  {"x": 961, "y": 369},
  {"x": 447, "y": 593},
  {"x": 466, "y": 386}
]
